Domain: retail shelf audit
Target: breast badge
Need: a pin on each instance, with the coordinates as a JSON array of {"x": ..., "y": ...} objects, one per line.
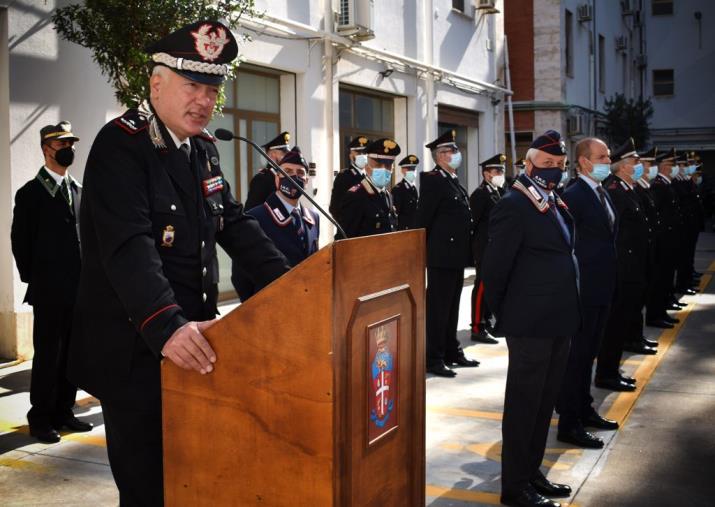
[{"x": 167, "y": 237}]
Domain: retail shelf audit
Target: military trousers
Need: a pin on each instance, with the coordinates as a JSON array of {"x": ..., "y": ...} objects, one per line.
[{"x": 444, "y": 290}]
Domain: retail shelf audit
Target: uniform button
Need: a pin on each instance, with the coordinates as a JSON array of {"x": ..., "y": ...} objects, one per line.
[
  {"x": 203, "y": 272},
  {"x": 203, "y": 244},
  {"x": 204, "y": 296},
  {"x": 451, "y": 239},
  {"x": 173, "y": 207}
]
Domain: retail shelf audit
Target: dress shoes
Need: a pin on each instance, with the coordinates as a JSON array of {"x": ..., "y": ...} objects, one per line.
[
  {"x": 45, "y": 434},
  {"x": 441, "y": 371},
  {"x": 483, "y": 336},
  {"x": 614, "y": 384},
  {"x": 528, "y": 497},
  {"x": 670, "y": 320},
  {"x": 580, "y": 437},
  {"x": 686, "y": 291},
  {"x": 462, "y": 361},
  {"x": 674, "y": 308},
  {"x": 640, "y": 348},
  {"x": 627, "y": 380},
  {"x": 649, "y": 343},
  {"x": 74, "y": 424},
  {"x": 659, "y": 324},
  {"x": 598, "y": 422},
  {"x": 545, "y": 487}
]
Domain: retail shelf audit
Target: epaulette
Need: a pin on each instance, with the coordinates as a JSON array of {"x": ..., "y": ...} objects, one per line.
[
  {"x": 625, "y": 186},
  {"x": 354, "y": 188},
  {"x": 132, "y": 122},
  {"x": 612, "y": 185},
  {"x": 534, "y": 196},
  {"x": 207, "y": 136},
  {"x": 367, "y": 186}
]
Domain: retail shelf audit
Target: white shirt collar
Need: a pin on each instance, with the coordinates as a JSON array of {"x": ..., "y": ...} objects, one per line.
[
  {"x": 591, "y": 183},
  {"x": 58, "y": 179},
  {"x": 178, "y": 142}
]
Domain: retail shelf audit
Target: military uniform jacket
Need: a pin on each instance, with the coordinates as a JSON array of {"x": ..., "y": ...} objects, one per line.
[
  {"x": 632, "y": 243},
  {"x": 666, "y": 201},
  {"x": 482, "y": 200},
  {"x": 689, "y": 203},
  {"x": 529, "y": 271},
  {"x": 366, "y": 211},
  {"x": 150, "y": 221},
  {"x": 44, "y": 240},
  {"x": 344, "y": 181},
  {"x": 261, "y": 186},
  {"x": 647, "y": 203},
  {"x": 443, "y": 209},
  {"x": 404, "y": 197}
]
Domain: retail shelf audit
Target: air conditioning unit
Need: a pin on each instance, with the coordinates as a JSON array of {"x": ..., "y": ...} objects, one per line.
[
  {"x": 487, "y": 6},
  {"x": 584, "y": 12},
  {"x": 621, "y": 43},
  {"x": 574, "y": 124},
  {"x": 356, "y": 19},
  {"x": 641, "y": 61}
]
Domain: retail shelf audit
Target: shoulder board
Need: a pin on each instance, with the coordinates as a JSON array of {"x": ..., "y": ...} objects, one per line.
[
  {"x": 533, "y": 195},
  {"x": 355, "y": 188},
  {"x": 612, "y": 185},
  {"x": 367, "y": 187},
  {"x": 132, "y": 122},
  {"x": 625, "y": 186},
  {"x": 206, "y": 136}
]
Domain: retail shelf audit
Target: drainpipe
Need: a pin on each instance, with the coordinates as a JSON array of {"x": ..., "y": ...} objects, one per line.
[{"x": 510, "y": 108}]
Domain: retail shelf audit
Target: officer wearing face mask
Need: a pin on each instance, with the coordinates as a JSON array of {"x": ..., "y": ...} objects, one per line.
[
  {"x": 686, "y": 281},
  {"x": 443, "y": 210},
  {"x": 404, "y": 194},
  {"x": 47, "y": 252},
  {"x": 482, "y": 200},
  {"x": 349, "y": 177},
  {"x": 261, "y": 185},
  {"x": 293, "y": 228},
  {"x": 367, "y": 207}
]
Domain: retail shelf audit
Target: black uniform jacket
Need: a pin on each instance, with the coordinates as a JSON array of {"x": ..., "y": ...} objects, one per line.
[
  {"x": 344, "y": 180},
  {"x": 44, "y": 240},
  {"x": 666, "y": 201},
  {"x": 645, "y": 198},
  {"x": 632, "y": 242},
  {"x": 261, "y": 186},
  {"x": 482, "y": 200},
  {"x": 150, "y": 221},
  {"x": 443, "y": 209},
  {"x": 529, "y": 270},
  {"x": 595, "y": 243},
  {"x": 404, "y": 197},
  {"x": 366, "y": 211}
]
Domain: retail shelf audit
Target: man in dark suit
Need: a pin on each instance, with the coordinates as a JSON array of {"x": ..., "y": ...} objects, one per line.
[
  {"x": 348, "y": 177},
  {"x": 293, "y": 228},
  {"x": 631, "y": 274},
  {"x": 595, "y": 220},
  {"x": 482, "y": 200},
  {"x": 366, "y": 209},
  {"x": 443, "y": 210},
  {"x": 531, "y": 284},
  {"x": 404, "y": 194},
  {"x": 155, "y": 205},
  {"x": 263, "y": 182},
  {"x": 46, "y": 249}
]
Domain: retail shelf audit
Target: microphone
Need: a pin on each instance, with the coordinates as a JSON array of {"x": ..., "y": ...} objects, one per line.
[{"x": 227, "y": 135}]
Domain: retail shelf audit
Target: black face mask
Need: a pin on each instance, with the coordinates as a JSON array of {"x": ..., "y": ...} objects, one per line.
[
  {"x": 65, "y": 156},
  {"x": 287, "y": 188}
]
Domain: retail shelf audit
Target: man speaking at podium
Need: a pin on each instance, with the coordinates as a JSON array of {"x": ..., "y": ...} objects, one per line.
[{"x": 155, "y": 206}]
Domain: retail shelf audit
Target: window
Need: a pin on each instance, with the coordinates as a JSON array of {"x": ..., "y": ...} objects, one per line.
[
  {"x": 364, "y": 114},
  {"x": 601, "y": 63},
  {"x": 663, "y": 82},
  {"x": 569, "y": 43},
  {"x": 662, "y": 7}
]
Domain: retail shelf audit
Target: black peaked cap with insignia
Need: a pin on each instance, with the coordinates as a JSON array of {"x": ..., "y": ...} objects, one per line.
[
  {"x": 626, "y": 150},
  {"x": 650, "y": 154},
  {"x": 358, "y": 143},
  {"x": 409, "y": 162},
  {"x": 446, "y": 140},
  {"x": 692, "y": 156},
  {"x": 280, "y": 142},
  {"x": 495, "y": 162},
  {"x": 550, "y": 142},
  {"x": 294, "y": 156},
  {"x": 201, "y": 51},
  {"x": 383, "y": 149},
  {"x": 61, "y": 131},
  {"x": 666, "y": 156},
  {"x": 520, "y": 163},
  {"x": 682, "y": 158}
]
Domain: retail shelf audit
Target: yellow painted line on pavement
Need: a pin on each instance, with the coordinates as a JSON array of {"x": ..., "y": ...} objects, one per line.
[
  {"x": 623, "y": 404},
  {"x": 465, "y": 495},
  {"x": 23, "y": 465},
  {"x": 492, "y": 451},
  {"x": 463, "y": 412}
]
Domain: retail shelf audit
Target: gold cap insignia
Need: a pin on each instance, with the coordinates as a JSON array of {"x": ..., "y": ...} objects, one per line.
[
  {"x": 362, "y": 141},
  {"x": 286, "y": 137},
  {"x": 389, "y": 144},
  {"x": 413, "y": 159}
]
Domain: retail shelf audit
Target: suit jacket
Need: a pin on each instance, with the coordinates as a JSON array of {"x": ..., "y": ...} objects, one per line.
[
  {"x": 443, "y": 210},
  {"x": 595, "y": 243},
  {"x": 529, "y": 270},
  {"x": 482, "y": 200},
  {"x": 404, "y": 198},
  {"x": 261, "y": 186},
  {"x": 365, "y": 211},
  {"x": 45, "y": 242},
  {"x": 150, "y": 222}
]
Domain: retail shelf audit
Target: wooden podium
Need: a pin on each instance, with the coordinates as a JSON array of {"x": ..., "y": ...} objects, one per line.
[{"x": 318, "y": 394}]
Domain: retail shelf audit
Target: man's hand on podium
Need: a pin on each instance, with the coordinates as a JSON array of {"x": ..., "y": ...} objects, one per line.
[{"x": 188, "y": 349}]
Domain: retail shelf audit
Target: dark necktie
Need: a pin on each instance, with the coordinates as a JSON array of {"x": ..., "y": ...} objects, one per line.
[
  {"x": 187, "y": 150},
  {"x": 604, "y": 203},
  {"x": 300, "y": 230},
  {"x": 64, "y": 189}
]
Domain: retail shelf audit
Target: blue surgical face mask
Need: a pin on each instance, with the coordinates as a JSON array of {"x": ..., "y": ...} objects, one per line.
[
  {"x": 360, "y": 161},
  {"x": 410, "y": 176},
  {"x": 456, "y": 160},
  {"x": 637, "y": 171},
  {"x": 674, "y": 171},
  {"x": 693, "y": 169},
  {"x": 600, "y": 172},
  {"x": 380, "y": 177},
  {"x": 652, "y": 172}
]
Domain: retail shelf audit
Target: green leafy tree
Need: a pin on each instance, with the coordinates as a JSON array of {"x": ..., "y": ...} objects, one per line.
[
  {"x": 117, "y": 31},
  {"x": 628, "y": 118}
]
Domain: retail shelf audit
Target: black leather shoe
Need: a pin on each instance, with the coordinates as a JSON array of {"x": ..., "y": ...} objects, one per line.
[
  {"x": 462, "y": 361},
  {"x": 441, "y": 371},
  {"x": 686, "y": 291},
  {"x": 627, "y": 380},
  {"x": 649, "y": 343},
  {"x": 483, "y": 336},
  {"x": 528, "y": 497},
  {"x": 674, "y": 308},
  {"x": 545, "y": 487},
  {"x": 45, "y": 434},
  {"x": 614, "y": 384},
  {"x": 640, "y": 348},
  {"x": 670, "y": 320},
  {"x": 580, "y": 437},
  {"x": 660, "y": 324},
  {"x": 74, "y": 424},
  {"x": 598, "y": 422}
]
